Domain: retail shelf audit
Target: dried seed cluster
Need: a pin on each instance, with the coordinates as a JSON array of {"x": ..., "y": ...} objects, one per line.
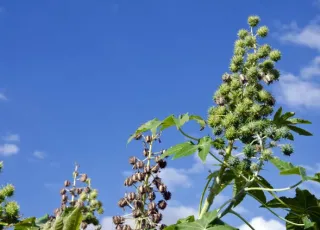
[
  {"x": 81, "y": 194},
  {"x": 143, "y": 203}
]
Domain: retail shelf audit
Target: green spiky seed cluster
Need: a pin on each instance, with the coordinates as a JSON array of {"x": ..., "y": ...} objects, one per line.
[{"x": 287, "y": 149}]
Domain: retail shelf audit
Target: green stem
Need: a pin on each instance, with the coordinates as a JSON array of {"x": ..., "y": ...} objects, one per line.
[
  {"x": 240, "y": 217},
  {"x": 274, "y": 189},
  {"x": 216, "y": 185},
  {"x": 187, "y": 135},
  {"x": 203, "y": 193}
]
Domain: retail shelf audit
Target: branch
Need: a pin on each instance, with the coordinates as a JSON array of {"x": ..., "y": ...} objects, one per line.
[
  {"x": 244, "y": 220},
  {"x": 274, "y": 189},
  {"x": 187, "y": 135}
]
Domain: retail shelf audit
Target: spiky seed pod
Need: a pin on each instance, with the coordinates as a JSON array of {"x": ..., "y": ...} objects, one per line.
[
  {"x": 263, "y": 51},
  {"x": 234, "y": 161},
  {"x": 263, "y": 31},
  {"x": 217, "y": 131},
  {"x": 226, "y": 77},
  {"x": 152, "y": 206},
  {"x": 151, "y": 196},
  {"x": 287, "y": 149},
  {"x": 229, "y": 120},
  {"x": 83, "y": 177},
  {"x": 243, "y": 33},
  {"x": 246, "y": 164},
  {"x": 231, "y": 133},
  {"x": 117, "y": 220},
  {"x": 146, "y": 152},
  {"x": 155, "y": 168},
  {"x": 250, "y": 41},
  {"x": 67, "y": 183},
  {"x": 214, "y": 120},
  {"x": 83, "y": 225},
  {"x": 132, "y": 160},
  {"x": 147, "y": 169},
  {"x": 166, "y": 195},
  {"x": 253, "y": 21},
  {"x": 266, "y": 154},
  {"x": 63, "y": 191},
  {"x": 275, "y": 55},
  {"x": 249, "y": 151},
  {"x": 162, "y": 188},
  {"x": 254, "y": 167},
  {"x": 138, "y": 136},
  {"x": 122, "y": 203},
  {"x": 162, "y": 204},
  {"x": 162, "y": 226},
  {"x": 267, "y": 78},
  {"x": 148, "y": 139}
]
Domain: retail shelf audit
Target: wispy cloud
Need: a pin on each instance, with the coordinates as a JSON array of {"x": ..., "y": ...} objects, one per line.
[
  {"x": 3, "y": 97},
  {"x": 8, "y": 149},
  {"x": 39, "y": 154},
  {"x": 12, "y": 138}
]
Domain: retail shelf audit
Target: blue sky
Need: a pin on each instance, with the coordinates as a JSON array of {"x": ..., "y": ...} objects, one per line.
[{"x": 77, "y": 78}]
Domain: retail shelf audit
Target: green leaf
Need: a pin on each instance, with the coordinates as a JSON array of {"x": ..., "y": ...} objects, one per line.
[
  {"x": 73, "y": 221},
  {"x": 277, "y": 114},
  {"x": 182, "y": 120},
  {"x": 150, "y": 125},
  {"x": 200, "y": 121},
  {"x": 28, "y": 223},
  {"x": 300, "y": 131},
  {"x": 42, "y": 220},
  {"x": 168, "y": 122},
  {"x": 204, "y": 148},
  {"x": 307, "y": 223},
  {"x": 295, "y": 219},
  {"x": 181, "y": 150},
  {"x": 58, "y": 223},
  {"x": 303, "y": 204},
  {"x": 186, "y": 220},
  {"x": 237, "y": 187},
  {"x": 298, "y": 121},
  {"x": 287, "y": 115},
  {"x": 264, "y": 182},
  {"x": 286, "y": 168},
  {"x": 201, "y": 224},
  {"x": 227, "y": 178},
  {"x": 259, "y": 194}
]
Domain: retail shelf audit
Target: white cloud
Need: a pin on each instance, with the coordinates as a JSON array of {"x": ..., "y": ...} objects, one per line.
[
  {"x": 297, "y": 92},
  {"x": 3, "y": 97},
  {"x": 312, "y": 70},
  {"x": 308, "y": 36},
  {"x": 242, "y": 210},
  {"x": 8, "y": 149},
  {"x": 175, "y": 178},
  {"x": 259, "y": 223},
  {"x": 39, "y": 154},
  {"x": 12, "y": 137}
]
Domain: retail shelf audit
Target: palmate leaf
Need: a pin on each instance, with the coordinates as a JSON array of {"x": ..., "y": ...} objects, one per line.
[
  {"x": 26, "y": 224},
  {"x": 73, "y": 220},
  {"x": 150, "y": 125},
  {"x": 287, "y": 168},
  {"x": 208, "y": 222},
  {"x": 181, "y": 150},
  {"x": 204, "y": 147}
]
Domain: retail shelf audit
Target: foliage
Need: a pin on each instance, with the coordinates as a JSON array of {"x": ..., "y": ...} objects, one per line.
[{"x": 243, "y": 116}]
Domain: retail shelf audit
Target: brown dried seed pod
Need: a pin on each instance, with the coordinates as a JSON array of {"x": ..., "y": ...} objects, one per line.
[
  {"x": 118, "y": 220},
  {"x": 128, "y": 182},
  {"x": 146, "y": 152},
  {"x": 122, "y": 203},
  {"x": 72, "y": 203},
  {"x": 67, "y": 183},
  {"x": 127, "y": 227},
  {"x": 87, "y": 189},
  {"x": 142, "y": 189},
  {"x": 57, "y": 211},
  {"x": 162, "y": 164},
  {"x": 243, "y": 79},
  {"x": 140, "y": 176},
  {"x": 131, "y": 196},
  {"x": 64, "y": 198},
  {"x": 162, "y": 188},
  {"x": 136, "y": 213},
  {"x": 132, "y": 160},
  {"x": 80, "y": 204},
  {"x": 155, "y": 168},
  {"x": 134, "y": 177},
  {"x": 138, "y": 136},
  {"x": 151, "y": 196},
  {"x": 156, "y": 218},
  {"x": 152, "y": 211},
  {"x": 157, "y": 181},
  {"x": 167, "y": 195},
  {"x": 162, "y": 226},
  {"x": 162, "y": 204},
  {"x": 79, "y": 190},
  {"x": 84, "y": 225},
  {"x": 147, "y": 169},
  {"x": 152, "y": 206},
  {"x": 119, "y": 227},
  {"x": 148, "y": 139},
  {"x": 267, "y": 79},
  {"x": 138, "y": 165},
  {"x": 63, "y": 191},
  {"x": 83, "y": 177},
  {"x": 137, "y": 204}
]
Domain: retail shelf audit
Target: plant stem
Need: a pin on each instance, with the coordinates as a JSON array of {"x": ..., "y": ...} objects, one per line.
[
  {"x": 188, "y": 136},
  {"x": 240, "y": 217},
  {"x": 274, "y": 189},
  {"x": 216, "y": 185},
  {"x": 203, "y": 193}
]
